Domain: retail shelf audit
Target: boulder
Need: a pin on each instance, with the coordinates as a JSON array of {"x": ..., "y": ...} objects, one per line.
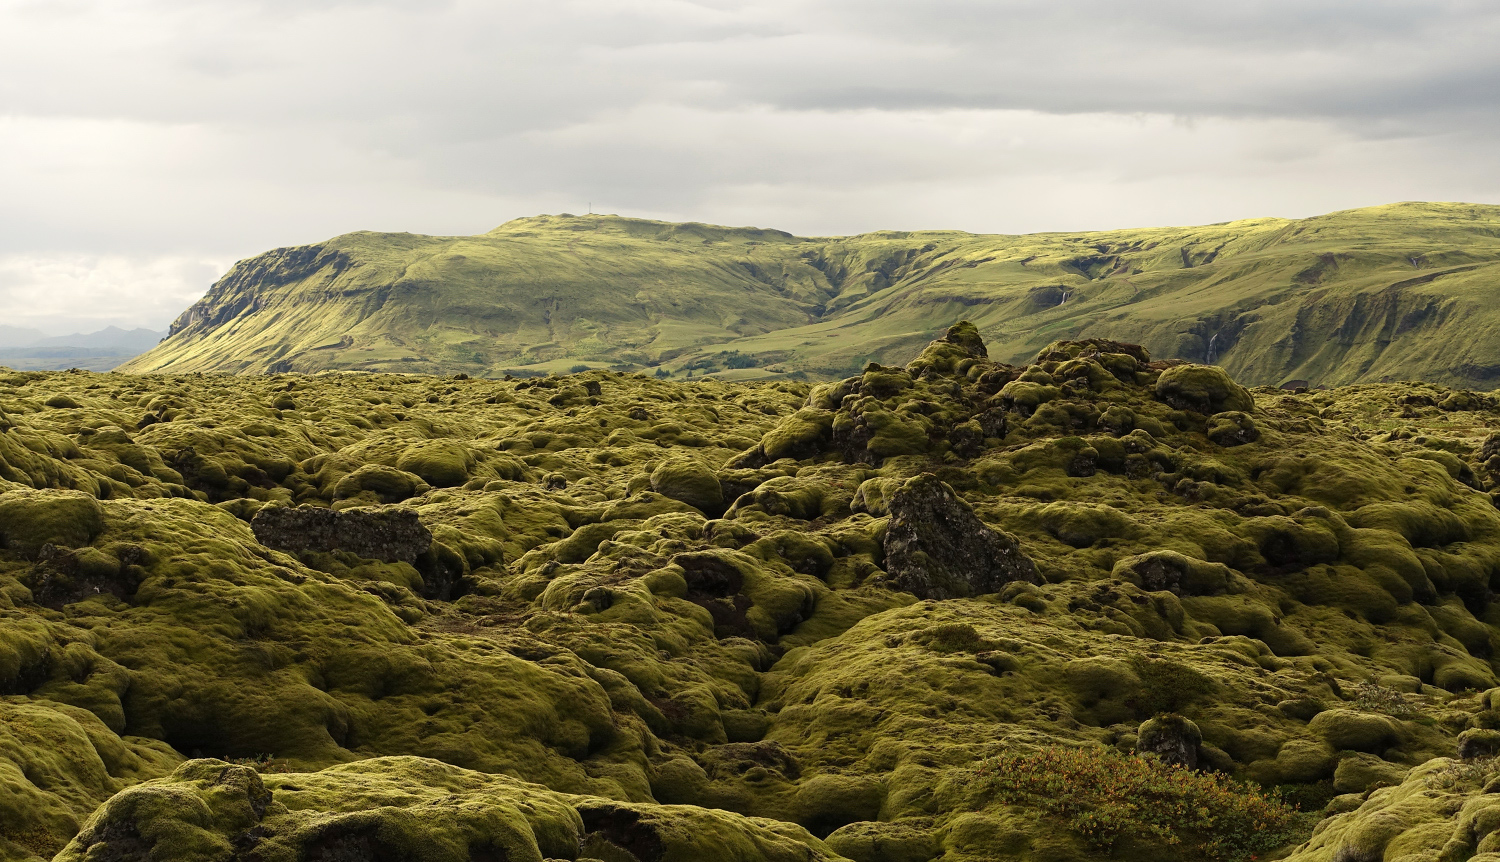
[
  {"x": 1172, "y": 738},
  {"x": 1204, "y": 389},
  {"x": 690, "y": 482},
  {"x": 1232, "y": 428},
  {"x": 1478, "y": 743},
  {"x": 392, "y": 534},
  {"x": 935, "y": 547}
]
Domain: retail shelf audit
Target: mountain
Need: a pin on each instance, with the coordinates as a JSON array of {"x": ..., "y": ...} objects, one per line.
[
  {"x": 30, "y": 349},
  {"x": 1096, "y": 606},
  {"x": 1394, "y": 292},
  {"x": 18, "y": 336},
  {"x": 136, "y": 340}
]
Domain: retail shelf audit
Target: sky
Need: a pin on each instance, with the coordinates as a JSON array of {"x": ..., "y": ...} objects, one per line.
[{"x": 146, "y": 145}]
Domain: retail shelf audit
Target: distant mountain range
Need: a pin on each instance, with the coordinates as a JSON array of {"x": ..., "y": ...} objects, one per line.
[
  {"x": 1405, "y": 291},
  {"x": 32, "y": 349}
]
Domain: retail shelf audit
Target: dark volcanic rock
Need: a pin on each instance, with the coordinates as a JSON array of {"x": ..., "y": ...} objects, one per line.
[
  {"x": 393, "y": 535},
  {"x": 1478, "y": 743},
  {"x": 937, "y": 549},
  {"x": 1172, "y": 738}
]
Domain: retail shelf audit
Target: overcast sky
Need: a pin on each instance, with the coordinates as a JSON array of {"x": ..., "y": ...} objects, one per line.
[{"x": 145, "y": 145}]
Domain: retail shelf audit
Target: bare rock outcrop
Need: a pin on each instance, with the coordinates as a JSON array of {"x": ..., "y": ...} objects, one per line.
[
  {"x": 392, "y": 534},
  {"x": 936, "y": 548}
]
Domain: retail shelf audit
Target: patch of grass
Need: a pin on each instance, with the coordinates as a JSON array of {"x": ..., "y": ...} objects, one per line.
[
  {"x": 265, "y": 764},
  {"x": 1371, "y": 696},
  {"x": 1105, "y": 796}
]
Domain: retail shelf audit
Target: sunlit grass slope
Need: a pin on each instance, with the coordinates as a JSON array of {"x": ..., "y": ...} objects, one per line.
[{"x": 1398, "y": 292}]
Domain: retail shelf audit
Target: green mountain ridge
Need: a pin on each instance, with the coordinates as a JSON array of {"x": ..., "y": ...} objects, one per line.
[{"x": 1397, "y": 292}]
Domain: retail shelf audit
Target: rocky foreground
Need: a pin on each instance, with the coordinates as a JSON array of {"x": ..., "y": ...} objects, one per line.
[{"x": 1093, "y": 607}]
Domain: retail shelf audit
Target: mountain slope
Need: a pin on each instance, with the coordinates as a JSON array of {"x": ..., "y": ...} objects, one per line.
[{"x": 1384, "y": 293}]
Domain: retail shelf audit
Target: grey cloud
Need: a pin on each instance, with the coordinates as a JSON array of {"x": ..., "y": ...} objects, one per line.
[{"x": 170, "y": 129}]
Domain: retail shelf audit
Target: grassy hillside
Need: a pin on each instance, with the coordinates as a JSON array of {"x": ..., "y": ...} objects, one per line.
[
  {"x": 1401, "y": 292},
  {"x": 1094, "y": 606}
]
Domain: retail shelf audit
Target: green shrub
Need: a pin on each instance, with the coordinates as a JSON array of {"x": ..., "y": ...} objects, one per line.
[
  {"x": 1371, "y": 696},
  {"x": 1104, "y": 796}
]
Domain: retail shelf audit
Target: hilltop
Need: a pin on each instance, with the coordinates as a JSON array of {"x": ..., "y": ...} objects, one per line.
[
  {"x": 1094, "y": 605},
  {"x": 1400, "y": 292}
]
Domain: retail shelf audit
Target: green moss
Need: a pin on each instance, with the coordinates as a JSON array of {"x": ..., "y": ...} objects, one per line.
[
  {"x": 1202, "y": 388},
  {"x": 603, "y": 638},
  {"x": 689, "y": 482},
  {"x": 440, "y": 463},
  {"x": 32, "y": 519}
]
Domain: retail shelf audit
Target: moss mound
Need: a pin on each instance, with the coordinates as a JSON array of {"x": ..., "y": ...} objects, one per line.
[{"x": 610, "y": 616}]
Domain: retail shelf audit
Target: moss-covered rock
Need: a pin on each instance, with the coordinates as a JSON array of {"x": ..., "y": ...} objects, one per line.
[
  {"x": 31, "y": 520},
  {"x": 689, "y": 482},
  {"x": 408, "y": 808},
  {"x": 1204, "y": 389},
  {"x": 1172, "y": 738},
  {"x": 1352, "y": 730},
  {"x": 440, "y": 463}
]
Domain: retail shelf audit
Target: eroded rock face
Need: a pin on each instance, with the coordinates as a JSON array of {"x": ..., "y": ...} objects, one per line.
[
  {"x": 936, "y": 548},
  {"x": 392, "y": 535}
]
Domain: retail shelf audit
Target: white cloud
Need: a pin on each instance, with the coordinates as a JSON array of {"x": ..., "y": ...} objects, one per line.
[{"x": 64, "y": 294}]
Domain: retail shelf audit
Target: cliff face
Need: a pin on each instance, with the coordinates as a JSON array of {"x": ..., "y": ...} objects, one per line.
[{"x": 1387, "y": 293}]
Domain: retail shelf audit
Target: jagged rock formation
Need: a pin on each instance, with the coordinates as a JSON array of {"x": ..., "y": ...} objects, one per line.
[
  {"x": 662, "y": 620},
  {"x": 1398, "y": 292},
  {"x": 936, "y": 549}
]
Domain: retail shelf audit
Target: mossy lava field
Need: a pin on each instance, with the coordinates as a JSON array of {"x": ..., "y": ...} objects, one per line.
[{"x": 1092, "y": 607}]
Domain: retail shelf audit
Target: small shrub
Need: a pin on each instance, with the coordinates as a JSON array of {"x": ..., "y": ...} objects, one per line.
[
  {"x": 1464, "y": 774},
  {"x": 1370, "y": 696},
  {"x": 1105, "y": 796},
  {"x": 578, "y": 369},
  {"x": 264, "y": 764}
]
